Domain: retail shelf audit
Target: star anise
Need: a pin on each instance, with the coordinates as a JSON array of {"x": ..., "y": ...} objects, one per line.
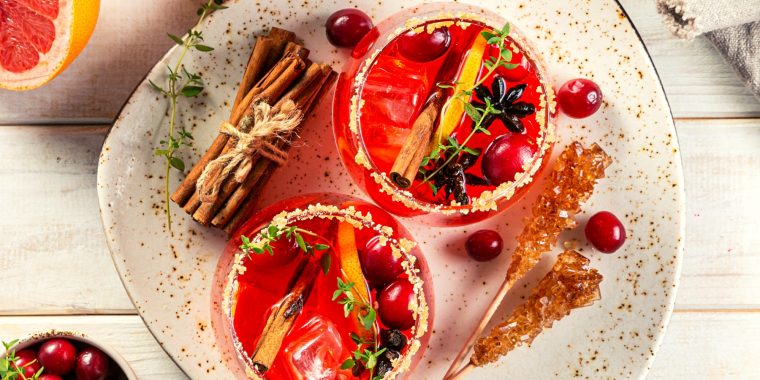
[
  {"x": 453, "y": 179},
  {"x": 505, "y": 101}
]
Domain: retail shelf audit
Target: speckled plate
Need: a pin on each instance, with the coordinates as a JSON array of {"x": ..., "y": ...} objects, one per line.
[{"x": 169, "y": 277}]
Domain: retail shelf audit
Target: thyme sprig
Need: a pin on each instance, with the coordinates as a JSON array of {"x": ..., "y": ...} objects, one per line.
[
  {"x": 273, "y": 233},
  {"x": 180, "y": 82},
  {"x": 367, "y": 351},
  {"x": 8, "y": 368},
  {"x": 451, "y": 146}
]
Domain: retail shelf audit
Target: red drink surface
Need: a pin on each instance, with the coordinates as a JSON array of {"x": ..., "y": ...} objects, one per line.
[
  {"x": 395, "y": 90},
  {"x": 262, "y": 286}
]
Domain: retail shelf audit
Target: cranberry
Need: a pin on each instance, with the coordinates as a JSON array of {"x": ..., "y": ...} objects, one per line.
[
  {"x": 378, "y": 263},
  {"x": 92, "y": 364},
  {"x": 26, "y": 360},
  {"x": 506, "y": 157},
  {"x": 484, "y": 245},
  {"x": 579, "y": 98},
  {"x": 58, "y": 356},
  {"x": 394, "y": 302},
  {"x": 346, "y": 27},
  {"x": 49, "y": 377},
  {"x": 605, "y": 232},
  {"x": 424, "y": 46}
]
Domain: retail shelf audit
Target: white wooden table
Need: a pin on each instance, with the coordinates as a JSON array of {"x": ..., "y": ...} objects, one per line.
[{"x": 55, "y": 269}]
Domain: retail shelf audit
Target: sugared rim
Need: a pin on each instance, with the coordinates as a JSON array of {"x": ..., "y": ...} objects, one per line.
[
  {"x": 358, "y": 220},
  {"x": 546, "y": 109},
  {"x": 40, "y": 336}
]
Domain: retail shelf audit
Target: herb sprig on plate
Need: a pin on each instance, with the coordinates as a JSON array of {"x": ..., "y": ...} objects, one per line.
[{"x": 181, "y": 82}]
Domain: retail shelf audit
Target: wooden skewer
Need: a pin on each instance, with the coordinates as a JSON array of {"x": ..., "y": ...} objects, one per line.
[
  {"x": 462, "y": 372},
  {"x": 503, "y": 290}
]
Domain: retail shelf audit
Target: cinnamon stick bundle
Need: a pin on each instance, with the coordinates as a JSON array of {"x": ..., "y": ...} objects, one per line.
[
  {"x": 231, "y": 220},
  {"x": 258, "y": 64},
  {"x": 413, "y": 151},
  {"x": 278, "y": 74}
]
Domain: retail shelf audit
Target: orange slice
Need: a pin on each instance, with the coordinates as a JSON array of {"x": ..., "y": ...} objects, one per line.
[
  {"x": 468, "y": 74},
  {"x": 349, "y": 260},
  {"x": 40, "y": 38}
]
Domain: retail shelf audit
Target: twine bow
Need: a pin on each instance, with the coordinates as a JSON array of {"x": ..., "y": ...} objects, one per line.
[{"x": 256, "y": 136}]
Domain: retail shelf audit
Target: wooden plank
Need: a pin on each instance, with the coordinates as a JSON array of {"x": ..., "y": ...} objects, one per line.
[
  {"x": 51, "y": 208},
  {"x": 715, "y": 345},
  {"x": 709, "y": 346},
  {"x": 131, "y": 36},
  {"x": 54, "y": 256},
  {"x": 126, "y": 334},
  {"x": 697, "y": 80},
  {"x": 722, "y": 255}
]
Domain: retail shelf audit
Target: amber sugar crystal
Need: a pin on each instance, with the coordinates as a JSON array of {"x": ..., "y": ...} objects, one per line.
[
  {"x": 570, "y": 184},
  {"x": 569, "y": 285}
]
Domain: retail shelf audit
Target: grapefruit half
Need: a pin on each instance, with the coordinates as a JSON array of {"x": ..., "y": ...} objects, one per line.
[{"x": 40, "y": 38}]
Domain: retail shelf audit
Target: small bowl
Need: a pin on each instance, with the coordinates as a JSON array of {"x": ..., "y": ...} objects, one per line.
[{"x": 124, "y": 371}]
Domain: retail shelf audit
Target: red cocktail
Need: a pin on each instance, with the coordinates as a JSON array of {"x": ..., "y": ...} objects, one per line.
[
  {"x": 324, "y": 287},
  {"x": 447, "y": 115}
]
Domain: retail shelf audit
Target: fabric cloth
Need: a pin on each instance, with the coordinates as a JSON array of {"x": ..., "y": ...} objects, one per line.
[{"x": 733, "y": 26}]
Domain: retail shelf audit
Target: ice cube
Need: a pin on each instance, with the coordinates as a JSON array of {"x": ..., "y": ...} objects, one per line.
[{"x": 318, "y": 351}]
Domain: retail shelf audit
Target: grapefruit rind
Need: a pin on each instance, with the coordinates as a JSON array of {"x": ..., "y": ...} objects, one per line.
[{"x": 74, "y": 25}]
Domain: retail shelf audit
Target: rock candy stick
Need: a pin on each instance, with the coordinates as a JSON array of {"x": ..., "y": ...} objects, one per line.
[{"x": 569, "y": 185}]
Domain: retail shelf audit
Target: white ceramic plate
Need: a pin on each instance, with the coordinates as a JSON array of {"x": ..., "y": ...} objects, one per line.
[{"x": 169, "y": 277}]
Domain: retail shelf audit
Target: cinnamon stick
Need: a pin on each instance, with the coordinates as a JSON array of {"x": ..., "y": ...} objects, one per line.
[
  {"x": 282, "y": 317},
  {"x": 410, "y": 156},
  {"x": 280, "y": 38},
  {"x": 307, "y": 101},
  {"x": 240, "y": 193},
  {"x": 270, "y": 94},
  {"x": 253, "y": 71}
]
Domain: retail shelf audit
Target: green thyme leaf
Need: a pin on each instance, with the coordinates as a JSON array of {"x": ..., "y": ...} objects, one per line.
[
  {"x": 203, "y": 48},
  {"x": 301, "y": 243},
  {"x": 349, "y": 363},
  {"x": 176, "y": 39},
  {"x": 505, "y": 30},
  {"x": 177, "y": 163},
  {"x": 191, "y": 91},
  {"x": 488, "y": 35},
  {"x": 321, "y": 247},
  {"x": 325, "y": 261}
]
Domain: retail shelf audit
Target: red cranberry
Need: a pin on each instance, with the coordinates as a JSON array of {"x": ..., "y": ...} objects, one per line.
[
  {"x": 346, "y": 27},
  {"x": 49, "y": 377},
  {"x": 605, "y": 232},
  {"x": 424, "y": 46},
  {"x": 394, "y": 302},
  {"x": 58, "y": 356},
  {"x": 27, "y": 361},
  {"x": 484, "y": 245},
  {"x": 378, "y": 263},
  {"x": 92, "y": 364},
  {"x": 506, "y": 157},
  {"x": 579, "y": 98}
]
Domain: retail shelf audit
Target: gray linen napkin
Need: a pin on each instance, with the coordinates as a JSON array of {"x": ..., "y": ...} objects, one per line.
[{"x": 733, "y": 26}]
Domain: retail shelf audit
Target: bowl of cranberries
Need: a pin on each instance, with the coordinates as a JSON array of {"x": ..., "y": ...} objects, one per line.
[{"x": 63, "y": 355}]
